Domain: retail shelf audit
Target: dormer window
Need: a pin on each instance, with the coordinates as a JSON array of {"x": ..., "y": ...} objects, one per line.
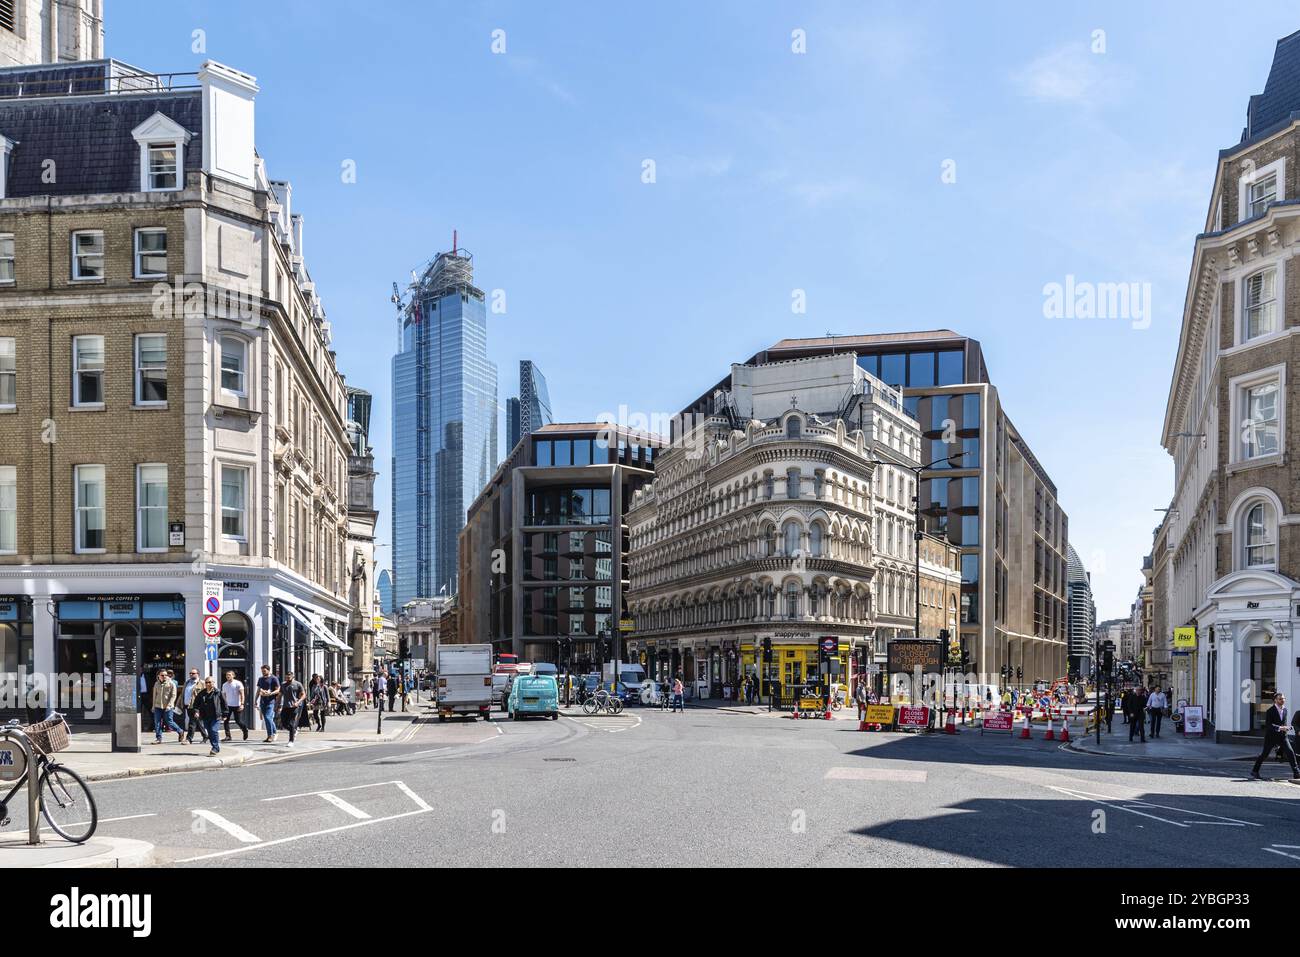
[
  {"x": 163, "y": 172},
  {"x": 1260, "y": 187},
  {"x": 162, "y": 153}
]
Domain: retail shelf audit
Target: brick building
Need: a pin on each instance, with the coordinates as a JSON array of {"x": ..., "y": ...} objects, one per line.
[
  {"x": 170, "y": 408},
  {"x": 1232, "y": 539}
]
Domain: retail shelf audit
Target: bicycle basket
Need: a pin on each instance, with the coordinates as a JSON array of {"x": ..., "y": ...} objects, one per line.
[{"x": 48, "y": 736}]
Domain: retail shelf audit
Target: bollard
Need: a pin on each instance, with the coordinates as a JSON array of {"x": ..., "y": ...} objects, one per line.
[{"x": 33, "y": 785}]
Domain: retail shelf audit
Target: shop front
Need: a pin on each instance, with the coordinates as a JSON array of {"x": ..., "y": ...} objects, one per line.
[
  {"x": 1249, "y": 624},
  {"x": 16, "y": 652},
  {"x": 85, "y": 627}
]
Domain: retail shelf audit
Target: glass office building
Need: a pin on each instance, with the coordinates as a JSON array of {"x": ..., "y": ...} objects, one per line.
[
  {"x": 444, "y": 425},
  {"x": 532, "y": 410}
]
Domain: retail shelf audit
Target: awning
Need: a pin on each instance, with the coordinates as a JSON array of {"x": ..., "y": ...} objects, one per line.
[{"x": 309, "y": 620}]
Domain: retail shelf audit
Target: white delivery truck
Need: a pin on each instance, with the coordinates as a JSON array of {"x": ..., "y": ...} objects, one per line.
[
  {"x": 464, "y": 681},
  {"x": 630, "y": 674}
]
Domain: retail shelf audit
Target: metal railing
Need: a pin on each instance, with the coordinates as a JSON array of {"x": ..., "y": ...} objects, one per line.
[{"x": 85, "y": 83}]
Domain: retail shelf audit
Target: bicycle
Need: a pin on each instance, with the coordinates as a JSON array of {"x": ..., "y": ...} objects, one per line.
[
  {"x": 65, "y": 799},
  {"x": 602, "y": 700}
]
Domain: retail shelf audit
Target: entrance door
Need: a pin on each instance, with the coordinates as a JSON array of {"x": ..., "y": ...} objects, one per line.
[{"x": 1263, "y": 676}]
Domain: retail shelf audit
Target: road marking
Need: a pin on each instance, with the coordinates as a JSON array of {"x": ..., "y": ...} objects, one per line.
[
  {"x": 874, "y": 774},
  {"x": 230, "y": 827},
  {"x": 419, "y": 801},
  {"x": 1132, "y": 807},
  {"x": 1273, "y": 850},
  {"x": 301, "y": 837},
  {"x": 107, "y": 820},
  {"x": 305, "y": 794},
  {"x": 343, "y": 805}
]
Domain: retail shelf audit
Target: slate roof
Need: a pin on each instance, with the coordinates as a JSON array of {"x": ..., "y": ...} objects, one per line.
[
  {"x": 1281, "y": 96},
  {"x": 89, "y": 139},
  {"x": 80, "y": 115}
]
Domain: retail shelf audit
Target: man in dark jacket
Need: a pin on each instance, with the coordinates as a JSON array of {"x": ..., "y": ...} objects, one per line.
[
  {"x": 1132, "y": 706},
  {"x": 1277, "y": 723},
  {"x": 206, "y": 705}
]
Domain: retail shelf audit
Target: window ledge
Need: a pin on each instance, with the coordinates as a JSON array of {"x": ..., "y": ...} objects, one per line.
[
  {"x": 221, "y": 409},
  {"x": 87, "y": 282},
  {"x": 150, "y": 278},
  {"x": 1262, "y": 462},
  {"x": 87, "y": 407},
  {"x": 8, "y": 409},
  {"x": 149, "y": 406}
]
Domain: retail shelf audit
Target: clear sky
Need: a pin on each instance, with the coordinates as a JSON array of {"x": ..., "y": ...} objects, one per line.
[{"x": 775, "y": 171}]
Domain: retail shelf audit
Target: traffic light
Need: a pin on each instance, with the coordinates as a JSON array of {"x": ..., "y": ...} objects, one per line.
[
  {"x": 767, "y": 650},
  {"x": 1020, "y": 674}
]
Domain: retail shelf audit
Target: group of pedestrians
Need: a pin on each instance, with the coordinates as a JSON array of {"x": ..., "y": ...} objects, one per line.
[
  {"x": 201, "y": 703},
  {"x": 1141, "y": 706}
]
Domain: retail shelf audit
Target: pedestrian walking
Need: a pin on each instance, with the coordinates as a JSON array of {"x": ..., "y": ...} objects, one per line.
[
  {"x": 1133, "y": 706},
  {"x": 1156, "y": 705},
  {"x": 268, "y": 696},
  {"x": 679, "y": 690},
  {"x": 232, "y": 698},
  {"x": 1277, "y": 725},
  {"x": 292, "y": 697},
  {"x": 320, "y": 702},
  {"x": 163, "y": 701},
  {"x": 207, "y": 711},
  {"x": 1109, "y": 712},
  {"x": 192, "y": 686},
  {"x": 860, "y": 698},
  {"x": 380, "y": 687},
  {"x": 393, "y": 684}
]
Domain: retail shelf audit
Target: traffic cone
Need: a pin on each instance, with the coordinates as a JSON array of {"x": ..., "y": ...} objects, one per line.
[
  {"x": 827, "y": 715},
  {"x": 1024, "y": 732},
  {"x": 950, "y": 727},
  {"x": 1065, "y": 730},
  {"x": 1050, "y": 736},
  {"x": 862, "y": 726}
]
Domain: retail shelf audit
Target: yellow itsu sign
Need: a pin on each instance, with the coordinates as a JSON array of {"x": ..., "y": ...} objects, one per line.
[{"x": 1184, "y": 638}]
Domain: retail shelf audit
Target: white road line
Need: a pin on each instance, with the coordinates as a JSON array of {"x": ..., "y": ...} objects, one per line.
[
  {"x": 230, "y": 827},
  {"x": 107, "y": 820},
  {"x": 1120, "y": 804},
  {"x": 419, "y": 801},
  {"x": 306, "y": 794},
  {"x": 343, "y": 805},
  {"x": 300, "y": 837},
  {"x": 1273, "y": 850},
  {"x": 875, "y": 774}
]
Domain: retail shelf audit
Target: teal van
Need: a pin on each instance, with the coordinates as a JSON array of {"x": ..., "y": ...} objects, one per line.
[{"x": 533, "y": 694}]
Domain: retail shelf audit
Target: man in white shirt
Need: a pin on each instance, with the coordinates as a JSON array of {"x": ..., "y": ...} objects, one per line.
[
  {"x": 232, "y": 699},
  {"x": 1156, "y": 705}
]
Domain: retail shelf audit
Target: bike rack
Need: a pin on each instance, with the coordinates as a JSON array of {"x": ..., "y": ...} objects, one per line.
[{"x": 33, "y": 786}]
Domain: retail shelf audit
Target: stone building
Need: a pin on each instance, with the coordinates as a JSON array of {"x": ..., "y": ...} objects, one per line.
[
  {"x": 50, "y": 31},
  {"x": 1234, "y": 549},
  {"x": 170, "y": 408},
  {"x": 782, "y": 515}
]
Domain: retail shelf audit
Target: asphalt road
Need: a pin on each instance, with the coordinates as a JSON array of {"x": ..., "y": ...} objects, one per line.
[{"x": 708, "y": 787}]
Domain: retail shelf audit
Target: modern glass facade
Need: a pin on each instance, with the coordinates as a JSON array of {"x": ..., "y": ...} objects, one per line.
[{"x": 444, "y": 427}]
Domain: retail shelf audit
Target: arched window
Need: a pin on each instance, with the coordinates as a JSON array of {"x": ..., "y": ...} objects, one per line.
[
  {"x": 769, "y": 541},
  {"x": 791, "y": 534},
  {"x": 792, "y": 600},
  {"x": 815, "y": 540},
  {"x": 792, "y": 482},
  {"x": 1260, "y": 544},
  {"x": 792, "y": 427}
]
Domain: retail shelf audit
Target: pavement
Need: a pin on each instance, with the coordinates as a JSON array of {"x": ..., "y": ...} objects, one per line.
[
  {"x": 91, "y": 753},
  {"x": 1169, "y": 746}
]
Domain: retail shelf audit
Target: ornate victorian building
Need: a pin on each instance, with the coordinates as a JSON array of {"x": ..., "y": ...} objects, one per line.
[{"x": 783, "y": 517}]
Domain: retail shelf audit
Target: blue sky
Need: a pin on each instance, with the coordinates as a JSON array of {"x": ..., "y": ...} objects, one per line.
[{"x": 775, "y": 171}]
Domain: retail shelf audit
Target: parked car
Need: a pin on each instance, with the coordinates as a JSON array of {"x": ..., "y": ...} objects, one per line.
[{"x": 533, "y": 694}]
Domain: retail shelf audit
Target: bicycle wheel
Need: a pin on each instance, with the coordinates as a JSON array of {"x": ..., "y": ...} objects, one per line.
[
  {"x": 67, "y": 804},
  {"x": 589, "y": 706},
  {"x": 615, "y": 705}
]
